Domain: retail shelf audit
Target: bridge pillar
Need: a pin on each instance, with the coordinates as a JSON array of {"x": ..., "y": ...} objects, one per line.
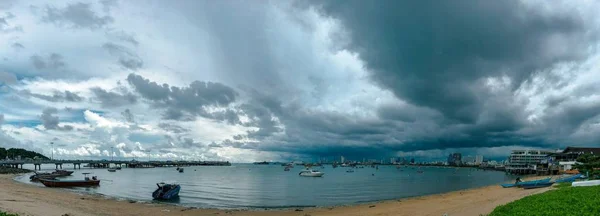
[{"x": 21, "y": 166}]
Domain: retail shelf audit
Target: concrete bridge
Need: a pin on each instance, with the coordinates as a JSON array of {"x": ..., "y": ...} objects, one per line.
[{"x": 37, "y": 164}]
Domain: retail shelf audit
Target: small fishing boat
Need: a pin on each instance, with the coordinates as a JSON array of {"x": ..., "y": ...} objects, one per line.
[
  {"x": 286, "y": 169},
  {"x": 180, "y": 170},
  {"x": 311, "y": 173},
  {"x": 166, "y": 191},
  {"x": 86, "y": 182},
  {"x": 112, "y": 169},
  {"x": 53, "y": 175},
  {"x": 350, "y": 171},
  {"x": 568, "y": 179},
  {"x": 537, "y": 185},
  {"x": 519, "y": 184}
]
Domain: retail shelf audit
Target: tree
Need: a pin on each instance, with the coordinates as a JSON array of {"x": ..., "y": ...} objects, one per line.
[
  {"x": 14, "y": 152},
  {"x": 589, "y": 164}
]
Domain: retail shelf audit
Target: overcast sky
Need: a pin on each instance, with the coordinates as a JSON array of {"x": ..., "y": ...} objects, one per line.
[{"x": 295, "y": 80}]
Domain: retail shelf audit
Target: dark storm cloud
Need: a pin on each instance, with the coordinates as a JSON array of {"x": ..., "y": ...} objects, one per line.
[
  {"x": 113, "y": 99},
  {"x": 128, "y": 116},
  {"x": 17, "y": 46},
  {"x": 193, "y": 99},
  {"x": 173, "y": 128},
  {"x": 7, "y": 78},
  {"x": 54, "y": 61},
  {"x": 76, "y": 15},
  {"x": 432, "y": 53},
  {"x": 50, "y": 121},
  {"x": 57, "y": 96},
  {"x": 127, "y": 58}
]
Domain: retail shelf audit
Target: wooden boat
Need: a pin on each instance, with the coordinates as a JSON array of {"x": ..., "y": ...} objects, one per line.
[
  {"x": 568, "y": 179},
  {"x": 86, "y": 182},
  {"x": 53, "y": 175},
  {"x": 546, "y": 180},
  {"x": 537, "y": 185},
  {"x": 166, "y": 191}
]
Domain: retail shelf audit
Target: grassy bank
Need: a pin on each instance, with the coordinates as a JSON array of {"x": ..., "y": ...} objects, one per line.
[
  {"x": 7, "y": 214},
  {"x": 564, "y": 201},
  {"x": 10, "y": 170}
]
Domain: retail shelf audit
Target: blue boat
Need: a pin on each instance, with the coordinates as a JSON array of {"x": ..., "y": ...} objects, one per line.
[
  {"x": 538, "y": 185},
  {"x": 568, "y": 179},
  {"x": 166, "y": 191},
  {"x": 546, "y": 180}
]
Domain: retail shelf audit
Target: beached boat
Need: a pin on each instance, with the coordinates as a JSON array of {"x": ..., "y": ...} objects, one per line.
[
  {"x": 86, "y": 182},
  {"x": 546, "y": 180},
  {"x": 311, "y": 173},
  {"x": 166, "y": 191},
  {"x": 568, "y": 179},
  {"x": 537, "y": 185},
  {"x": 586, "y": 183},
  {"x": 53, "y": 175}
]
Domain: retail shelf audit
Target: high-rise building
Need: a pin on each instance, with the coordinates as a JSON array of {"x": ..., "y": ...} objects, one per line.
[
  {"x": 478, "y": 159},
  {"x": 455, "y": 159}
]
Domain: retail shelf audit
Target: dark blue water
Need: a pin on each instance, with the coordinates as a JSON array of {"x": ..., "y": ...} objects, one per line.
[{"x": 268, "y": 186}]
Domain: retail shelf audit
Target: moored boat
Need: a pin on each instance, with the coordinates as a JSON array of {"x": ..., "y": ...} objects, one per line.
[
  {"x": 520, "y": 184},
  {"x": 350, "y": 171},
  {"x": 311, "y": 173},
  {"x": 86, "y": 182},
  {"x": 112, "y": 169},
  {"x": 180, "y": 170},
  {"x": 568, "y": 179},
  {"x": 166, "y": 191}
]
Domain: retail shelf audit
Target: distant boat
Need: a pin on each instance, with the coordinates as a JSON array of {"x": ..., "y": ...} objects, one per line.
[
  {"x": 166, "y": 191},
  {"x": 112, "y": 169},
  {"x": 180, "y": 170},
  {"x": 538, "y": 185},
  {"x": 118, "y": 168},
  {"x": 350, "y": 171},
  {"x": 86, "y": 182},
  {"x": 262, "y": 163},
  {"x": 311, "y": 173}
]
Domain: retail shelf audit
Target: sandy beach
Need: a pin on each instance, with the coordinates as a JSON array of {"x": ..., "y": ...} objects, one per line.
[{"x": 24, "y": 199}]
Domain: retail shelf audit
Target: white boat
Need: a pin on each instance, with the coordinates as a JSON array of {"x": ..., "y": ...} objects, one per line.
[
  {"x": 311, "y": 173},
  {"x": 586, "y": 183}
]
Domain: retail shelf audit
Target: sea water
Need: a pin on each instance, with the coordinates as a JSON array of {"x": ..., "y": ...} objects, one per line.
[{"x": 269, "y": 186}]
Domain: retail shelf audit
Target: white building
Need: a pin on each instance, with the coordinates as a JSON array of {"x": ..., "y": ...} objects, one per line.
[
  {"x": 342, "y": 159},
  {"x": 524, "y": 161},
  {"x": 478, "y": 159}
]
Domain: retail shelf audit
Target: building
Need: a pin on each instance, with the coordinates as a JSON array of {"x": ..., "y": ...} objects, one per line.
[
  {"x": 468, "y": 160},
  {"x": 342, "y": 159},
  {"x": 567, "y": 158},
  {"x": 526, "y": 161},
  {"x": 454, "y": 159},
  {"x": 478, "y": 159}
]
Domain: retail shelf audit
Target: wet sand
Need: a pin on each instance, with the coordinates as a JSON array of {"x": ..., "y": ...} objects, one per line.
[{"x": 24, "y": 199}]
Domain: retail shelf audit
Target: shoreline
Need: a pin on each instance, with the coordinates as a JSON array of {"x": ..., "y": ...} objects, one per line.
[{"x": 29, "y": 199}]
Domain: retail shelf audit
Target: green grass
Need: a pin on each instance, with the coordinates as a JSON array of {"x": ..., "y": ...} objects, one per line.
[
  {"x": 564, "y": 201},
  {"x": 563, "y": 185},
  {"x": 7, "y": 214}
]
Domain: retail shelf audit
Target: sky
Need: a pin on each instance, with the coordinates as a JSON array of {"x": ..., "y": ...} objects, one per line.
[{"x": 246, "y": 81}]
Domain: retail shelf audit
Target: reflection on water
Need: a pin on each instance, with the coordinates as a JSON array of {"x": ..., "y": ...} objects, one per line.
[{"x": 268, "y": 186}]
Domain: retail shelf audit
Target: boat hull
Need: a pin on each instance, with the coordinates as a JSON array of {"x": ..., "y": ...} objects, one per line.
[
  {"x": 312, "y": 174},
  {"x": 82, "y": 183},
  {"x": 539, "y": 185},
  {"x": 171, "y": 194},
  {"x": 520, "y": 184}
]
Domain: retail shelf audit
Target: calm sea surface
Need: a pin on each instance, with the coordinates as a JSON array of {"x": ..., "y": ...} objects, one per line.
[{"x": 269, "y": 186}]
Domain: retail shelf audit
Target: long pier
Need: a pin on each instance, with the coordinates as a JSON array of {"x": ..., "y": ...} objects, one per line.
[{"x": 106, "y": 163}]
